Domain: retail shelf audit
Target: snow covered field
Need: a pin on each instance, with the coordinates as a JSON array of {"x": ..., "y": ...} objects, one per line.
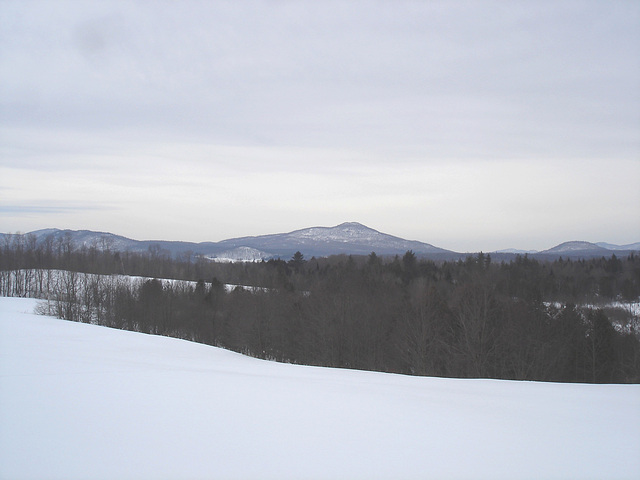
[{"x": 80, "y": 401}]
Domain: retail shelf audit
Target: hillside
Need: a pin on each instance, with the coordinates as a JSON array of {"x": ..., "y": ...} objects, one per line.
[{"x": 80, "y": 401}]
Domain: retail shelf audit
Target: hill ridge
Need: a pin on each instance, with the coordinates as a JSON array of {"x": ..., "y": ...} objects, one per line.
[{"x": 352, "y": 238}]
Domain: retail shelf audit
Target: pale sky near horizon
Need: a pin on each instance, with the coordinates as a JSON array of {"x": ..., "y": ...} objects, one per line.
[{"x": 470, "y": 125}]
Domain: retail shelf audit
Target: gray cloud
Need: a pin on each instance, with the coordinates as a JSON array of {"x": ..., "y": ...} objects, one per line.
[{"x": 374, "y": 73}]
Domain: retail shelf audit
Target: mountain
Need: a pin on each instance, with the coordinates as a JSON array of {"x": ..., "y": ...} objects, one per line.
[
  {"x": 346, "y": 238},
  {"x": 89, "y": 238},
  {"x": 108, "y": 241},
  {"x": 575, "y": 246},
  {"x": 611, "y": 246},
  {"x": 580, "y": 249},
  {"x": 574, "y": 249}
]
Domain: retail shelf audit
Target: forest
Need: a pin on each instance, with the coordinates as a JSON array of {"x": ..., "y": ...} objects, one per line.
[{"x": 562, "y": 321}]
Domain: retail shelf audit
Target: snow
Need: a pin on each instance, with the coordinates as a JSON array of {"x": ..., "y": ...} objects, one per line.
[
  {"x": 81, "y": 401},
  {"x": 629, "y": 323},
  {"x": 240, "y": 254},
  {"x": 633, "y": 308},
  {"x": 31, "y": 290}
]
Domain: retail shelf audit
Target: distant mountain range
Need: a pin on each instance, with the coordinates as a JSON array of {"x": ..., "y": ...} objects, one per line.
[
  {"x": 610, "y": 246},
  {"x": 587, "y": 250},
  {"x": 347, "y": 238},
  {"x": 577, "y": 249}
]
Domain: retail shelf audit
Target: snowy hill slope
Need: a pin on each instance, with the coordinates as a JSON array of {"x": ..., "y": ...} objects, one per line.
[{"x": 79, "y": 401}]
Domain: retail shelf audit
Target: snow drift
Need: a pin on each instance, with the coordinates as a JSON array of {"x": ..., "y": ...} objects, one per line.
[{"x": 79, "y": 401}]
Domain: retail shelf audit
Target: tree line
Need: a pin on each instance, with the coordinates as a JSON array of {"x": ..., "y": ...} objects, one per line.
[{"x": 521, "y": 320}]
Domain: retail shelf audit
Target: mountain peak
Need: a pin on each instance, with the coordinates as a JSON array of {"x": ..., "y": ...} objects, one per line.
[
  {"x": 352, "y": 225},
  {"x": 347, "y": 232},
  {"x": 575, "y": 247}
]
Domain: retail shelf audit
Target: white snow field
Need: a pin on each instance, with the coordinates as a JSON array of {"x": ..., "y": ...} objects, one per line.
[{"x": 81, "y": 401}]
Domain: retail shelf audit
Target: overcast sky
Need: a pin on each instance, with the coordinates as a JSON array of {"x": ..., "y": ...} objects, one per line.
[{"x": 468, "y": 125}]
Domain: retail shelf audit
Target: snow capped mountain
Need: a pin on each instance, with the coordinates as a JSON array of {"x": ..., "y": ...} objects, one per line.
[
  {"x": 348, "y": 238},
  {"x": 345, "y": 232},
  {"x": 358, "y": 234}
]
